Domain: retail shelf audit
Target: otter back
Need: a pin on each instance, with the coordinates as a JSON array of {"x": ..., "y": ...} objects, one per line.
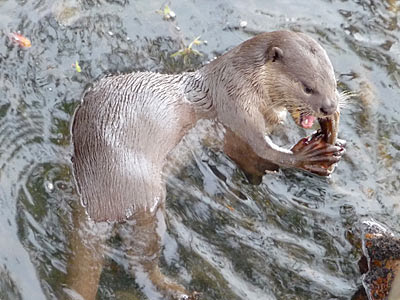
[{"x": 122, "y": 132}]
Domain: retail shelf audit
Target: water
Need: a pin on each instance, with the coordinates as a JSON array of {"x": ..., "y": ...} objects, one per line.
[{"x": 295, "y": 236}]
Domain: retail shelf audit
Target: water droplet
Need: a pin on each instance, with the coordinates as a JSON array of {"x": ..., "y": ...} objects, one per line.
[
  {"x": 49, "y": 186},
  {"x": 155, "y": 205},
  {"x": 128, "y": 213}
]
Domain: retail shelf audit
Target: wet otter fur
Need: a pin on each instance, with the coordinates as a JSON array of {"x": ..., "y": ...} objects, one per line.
[{"x": 127, "y": 124}]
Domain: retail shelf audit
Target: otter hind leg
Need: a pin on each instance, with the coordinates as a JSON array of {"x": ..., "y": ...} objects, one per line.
[
  {"x": 142, "y": 240},
  {"x": 86, "y": 256}
]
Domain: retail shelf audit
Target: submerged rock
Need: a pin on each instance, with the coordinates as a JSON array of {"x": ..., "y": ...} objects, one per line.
[{"x": 67, "y": 12}]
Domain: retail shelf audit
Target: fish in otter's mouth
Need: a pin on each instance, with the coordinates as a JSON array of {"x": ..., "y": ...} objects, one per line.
[{"x": 329, "y": 124}]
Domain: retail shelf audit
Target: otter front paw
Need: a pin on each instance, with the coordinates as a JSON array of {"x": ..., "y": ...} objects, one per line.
[{"x": 315, "y": 155}]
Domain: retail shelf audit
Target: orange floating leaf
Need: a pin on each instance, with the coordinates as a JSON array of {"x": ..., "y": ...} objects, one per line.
[
  {"x": 20, "y": 40},
  {"x": 230, "y": 207}
]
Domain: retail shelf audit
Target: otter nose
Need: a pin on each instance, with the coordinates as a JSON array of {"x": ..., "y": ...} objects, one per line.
[{"x": 328, "y": 108}]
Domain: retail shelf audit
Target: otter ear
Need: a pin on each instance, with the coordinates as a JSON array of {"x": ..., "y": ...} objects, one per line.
[{"x": 274, "y": 54}]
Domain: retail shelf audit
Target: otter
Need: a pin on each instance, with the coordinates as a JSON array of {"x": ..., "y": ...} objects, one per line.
[{"x": 127, "y": 124}]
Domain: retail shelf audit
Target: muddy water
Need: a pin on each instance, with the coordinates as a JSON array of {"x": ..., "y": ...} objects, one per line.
[{"x": 295, "y": 236}]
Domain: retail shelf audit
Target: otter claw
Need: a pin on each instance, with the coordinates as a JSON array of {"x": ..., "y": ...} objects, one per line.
[
  {"x": 341, "y": 143},
  {"x": 340, "y": 152}
]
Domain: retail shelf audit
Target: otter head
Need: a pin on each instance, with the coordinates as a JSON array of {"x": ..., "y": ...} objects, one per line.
[{"x": 300, "y": 77}]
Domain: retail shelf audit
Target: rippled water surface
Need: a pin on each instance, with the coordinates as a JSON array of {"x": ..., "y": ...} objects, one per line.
[{"x": 295, "y": 236}]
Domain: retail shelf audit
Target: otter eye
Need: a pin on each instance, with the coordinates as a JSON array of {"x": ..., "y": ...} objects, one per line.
[{"x": 307, "y": 89}]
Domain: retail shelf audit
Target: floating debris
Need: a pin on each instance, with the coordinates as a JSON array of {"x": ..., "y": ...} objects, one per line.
[
  {"x": 77, "y": 67},
  {"x": 21, "y": 40},
  {"x": 243, "y": 24},
  {"x": 229, "y": 207},
  {"x": 167, "y": 13},
  {"x": 189, "y": 49}
]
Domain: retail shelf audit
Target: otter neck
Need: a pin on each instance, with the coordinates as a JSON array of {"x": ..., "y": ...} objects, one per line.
[{"x": 222, "y": 83}]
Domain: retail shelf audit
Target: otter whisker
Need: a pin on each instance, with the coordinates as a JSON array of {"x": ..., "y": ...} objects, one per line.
[
  {"x": 346, "y": 95},
  {"x": 344, "y": 98}
]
